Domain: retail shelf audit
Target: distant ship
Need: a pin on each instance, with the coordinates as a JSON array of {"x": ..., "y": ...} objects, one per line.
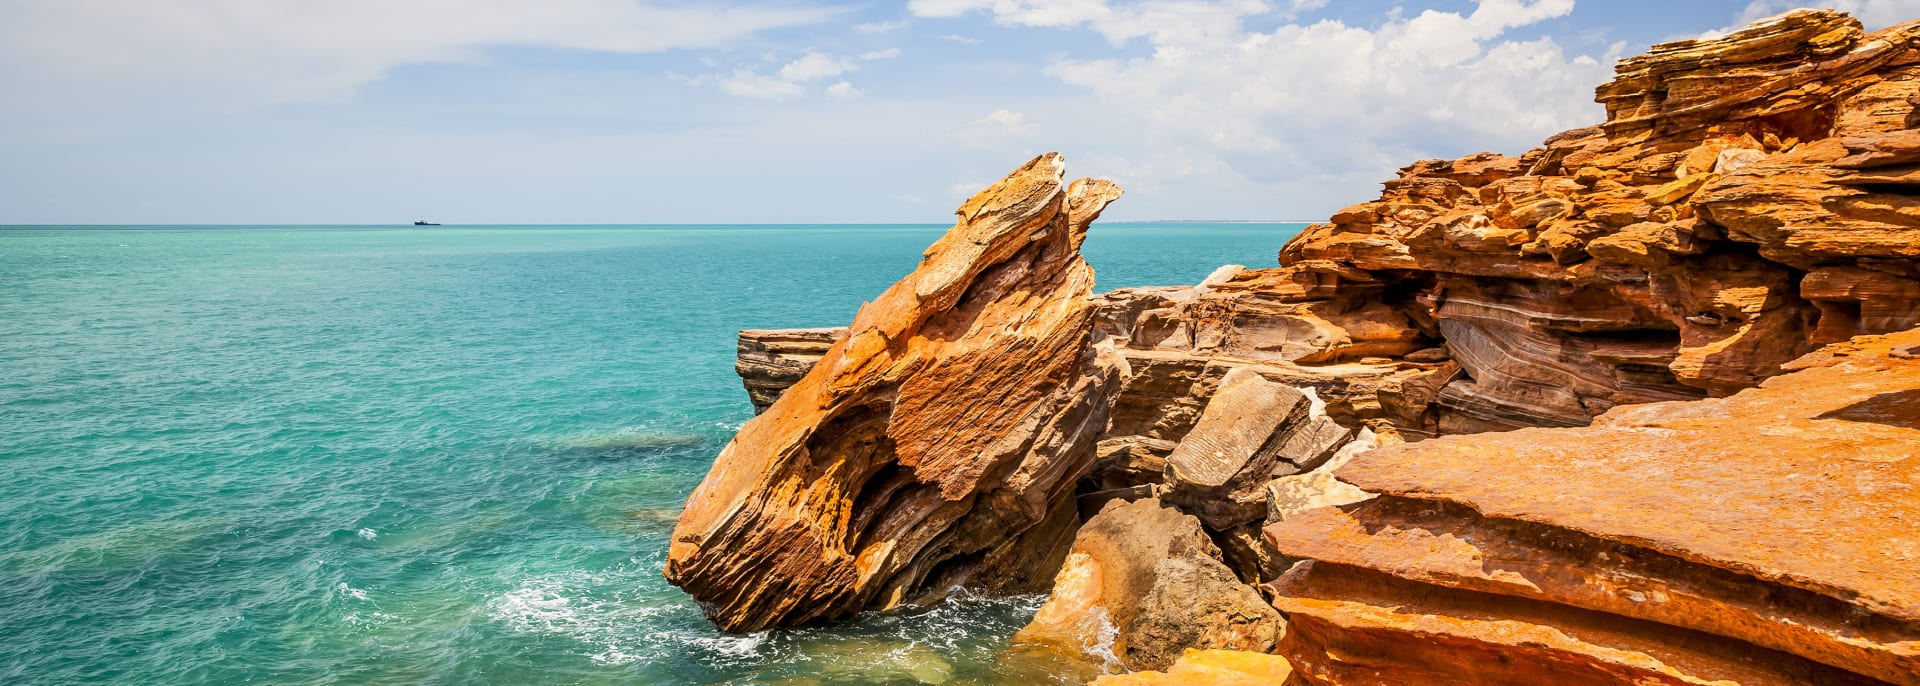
[{"x": 423, "y": 222}]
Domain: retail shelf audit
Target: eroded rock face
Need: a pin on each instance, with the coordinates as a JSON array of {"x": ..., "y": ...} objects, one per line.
[
  {"x": 1142, "y": 584},
  {"x": 936, "y": 445},
  {"x": 771, "y": 360},
  {"x": 1748, "y": 199},
  {"x": 1773, "y": 526}
]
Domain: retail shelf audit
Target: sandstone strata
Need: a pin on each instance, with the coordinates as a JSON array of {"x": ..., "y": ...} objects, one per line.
[
  {"x": 1773, "y": 529},
  {"x": 770, "y": 360},
  {"x": 854, "y": 490},
  {"x": 1749, "y": 199}
]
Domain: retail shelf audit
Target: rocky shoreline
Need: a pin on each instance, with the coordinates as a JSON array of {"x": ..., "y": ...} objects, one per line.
[{"x": 1639, "y": 405}]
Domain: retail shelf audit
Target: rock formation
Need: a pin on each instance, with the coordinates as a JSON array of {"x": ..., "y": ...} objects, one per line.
[
  {"x": 1767, "y": 537},
  {"x": 1141, "y": 584},
  {"x": 937, "y": 444},
  {"x": 1749, "y": 199},
  {"x": 1214, "y": 667},
  {"x": 770, "y": 360}
]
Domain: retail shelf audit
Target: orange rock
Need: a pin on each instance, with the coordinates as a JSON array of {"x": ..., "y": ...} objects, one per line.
[
  {"x": 1352, "y": 627},
  {"x": 1144, "y": 583},
  {"x": 1210, "y": 668},
  {"x": 854, "y": 491},
  {"x": 1447, "y": 545},
  {"x": 1727, "y": 168},
  {"x": 1776, "y": 519},
  {"x": 771, "y": 360}
]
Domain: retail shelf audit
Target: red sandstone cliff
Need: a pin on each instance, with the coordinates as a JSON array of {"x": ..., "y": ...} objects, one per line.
[{"x": 1749, "y": 199}]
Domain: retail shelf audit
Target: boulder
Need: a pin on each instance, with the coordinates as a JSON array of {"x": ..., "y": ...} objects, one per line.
[{"x": 1143, "y": 583}]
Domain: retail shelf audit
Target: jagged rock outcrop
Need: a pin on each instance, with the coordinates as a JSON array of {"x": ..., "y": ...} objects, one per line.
[
  {"x": 1749, "y": 198},
  {"x": 771, "y": 360},
  {"x": 1764, "y": 538},
  {"x": 1142, "y": 584},
  {"x": 937, "y": 445}
]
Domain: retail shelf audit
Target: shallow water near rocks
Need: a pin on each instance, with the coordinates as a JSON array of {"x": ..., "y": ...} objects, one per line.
[{"x": 357, "y": 455}]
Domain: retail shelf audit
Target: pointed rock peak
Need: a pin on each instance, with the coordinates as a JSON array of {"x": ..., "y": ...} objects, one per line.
[{"x": 936, "y": 445}]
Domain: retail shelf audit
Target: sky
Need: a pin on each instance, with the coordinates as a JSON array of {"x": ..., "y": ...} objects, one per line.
[{"x": 780, "y": 111}]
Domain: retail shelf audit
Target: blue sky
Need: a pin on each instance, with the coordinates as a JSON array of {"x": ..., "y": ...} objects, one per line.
[{"x": 654, "y": 111}]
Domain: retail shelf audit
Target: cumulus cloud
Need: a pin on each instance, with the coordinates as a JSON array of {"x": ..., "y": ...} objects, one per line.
[
  {"x": 790, "y": 79},
  {"x": 1320, "y": 97},
  {"x": 1006, "y": 120},
  {"x": 843, "y": 89}
]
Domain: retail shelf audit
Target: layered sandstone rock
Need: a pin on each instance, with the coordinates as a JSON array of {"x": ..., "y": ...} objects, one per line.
[
  {"x": 771, "y": 360},
  {"x": 1772, "y": 529},
  {"x": 1749, "y": 198},
  {"x": 1143, "y": 583},
  {"x": 936, "y": 445}
]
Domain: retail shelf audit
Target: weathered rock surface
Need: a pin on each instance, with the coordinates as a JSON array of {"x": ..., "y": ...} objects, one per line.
[
  {"x": 771, "y": 360},
  {"x": 1220, "y": 467},
  {"x": 1748, "y": 199},
  {"x": 1143, "y": 583},
  {"x": 1211, "y": 667},
  {"x": 1351, "y": 626},
  {"x": 854, "y": 490},
  {"x": 1781, "y": 518}
]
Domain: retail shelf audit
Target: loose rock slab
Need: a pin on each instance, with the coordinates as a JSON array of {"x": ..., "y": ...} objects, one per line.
[{"x": 1142, "y": 584}]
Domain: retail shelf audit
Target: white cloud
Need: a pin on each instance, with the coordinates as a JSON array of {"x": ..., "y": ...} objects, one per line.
[
  {"x": 1319, "y": 98},
  {"x": 748, "y": 84},
  {"x": 222, "y": 55},
  {"x": 994, "y": 130},
  {"x": 813, "y": 65},
  {"x": 1875, "y": 14},
  {"x": 880, "y": 26},
  {"x": 843, "y": 89},
  {"x": 1304, "y": 6},
  {"x": 957, "y": 38},
  {"x": 1008, "y": 121},
  {"x": 791, "y": 79},
  {"x": 886, "y": 54},
  {"x": 946, "y": 8}
]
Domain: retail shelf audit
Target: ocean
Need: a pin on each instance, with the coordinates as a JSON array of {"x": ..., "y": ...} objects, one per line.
[{"x": 449, "y": 455}]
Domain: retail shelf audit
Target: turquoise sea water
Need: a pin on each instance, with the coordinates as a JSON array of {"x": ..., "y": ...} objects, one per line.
[{"x": 357, "y": 455}]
